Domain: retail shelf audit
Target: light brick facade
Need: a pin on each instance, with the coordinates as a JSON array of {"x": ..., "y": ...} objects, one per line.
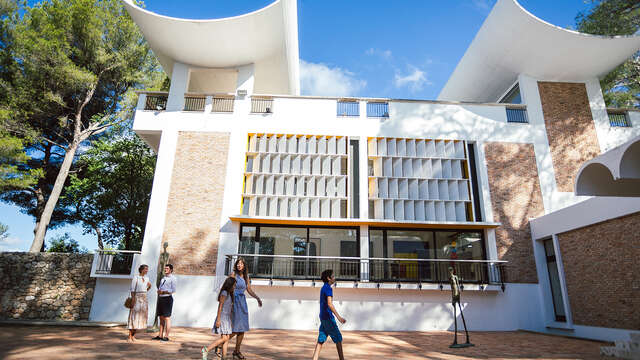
[
  {"x": 515, "y": 198},
  {"x": 602, "y": 273},
  {"x": 570, "y": 129},
  {"x": 195, "y": 202}
]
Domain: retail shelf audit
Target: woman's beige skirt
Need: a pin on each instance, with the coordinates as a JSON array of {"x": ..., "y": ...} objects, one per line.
[{"x": 139, "y": 313}]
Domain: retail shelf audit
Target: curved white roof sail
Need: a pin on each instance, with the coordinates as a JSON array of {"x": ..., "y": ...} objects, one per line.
[
  {"x": 512, "y": 41},
  {"x": 267, "y": 38}
]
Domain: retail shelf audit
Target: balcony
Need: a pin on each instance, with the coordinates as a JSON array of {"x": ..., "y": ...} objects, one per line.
[
  {"x": 115, "y": 263},
  {"x": 348, "y": 108},
  {"x": 156, "y": 101},
  {"x": 377, "y": 109},
  {"x": 517, "y": 114},
  {"x": 618, "y": 118},
  {"x": 372, "y": 270},
  {"x": 261, "y": 105}
]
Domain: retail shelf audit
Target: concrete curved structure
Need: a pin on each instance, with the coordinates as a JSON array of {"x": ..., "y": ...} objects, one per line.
[
  {"x": 614, "y": 173},
  {"x": 513, "y": 41},
  {"x": 266, "y": 38}
]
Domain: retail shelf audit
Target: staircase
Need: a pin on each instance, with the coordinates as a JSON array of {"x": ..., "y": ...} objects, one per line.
[{"x": 624, "y": 349}]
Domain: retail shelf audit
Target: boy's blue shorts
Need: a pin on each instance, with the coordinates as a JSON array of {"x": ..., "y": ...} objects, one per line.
[{"x": 329, "y": 328}]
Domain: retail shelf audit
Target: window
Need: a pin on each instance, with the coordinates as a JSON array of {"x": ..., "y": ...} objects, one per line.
[
  {"x": 618, "y": 118},
  {"x": 348, "y": 108},
  {"x": 513, "y": 96},
  {"x": 378, "y": 109},
  {"x": 292, "y": 250},
  {"x": 425, "y": 245},
  {"x": 554, "y": 280}
]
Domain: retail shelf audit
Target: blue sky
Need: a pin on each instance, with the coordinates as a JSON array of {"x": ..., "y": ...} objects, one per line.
[{"x": 395, "y": 49}]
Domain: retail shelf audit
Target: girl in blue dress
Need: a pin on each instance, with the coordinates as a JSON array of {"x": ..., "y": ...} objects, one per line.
[{"x": 240, "y": 316}]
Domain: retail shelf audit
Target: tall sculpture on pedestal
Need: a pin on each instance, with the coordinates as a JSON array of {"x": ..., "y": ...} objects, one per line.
[
  {"x": 455, "y": 299},
  {"x": 162, "y": 261}
]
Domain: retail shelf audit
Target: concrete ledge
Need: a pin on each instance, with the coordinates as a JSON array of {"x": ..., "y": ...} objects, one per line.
[{"x": 62, "y": 323}]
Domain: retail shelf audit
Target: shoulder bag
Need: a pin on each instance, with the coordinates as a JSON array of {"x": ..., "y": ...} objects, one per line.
[{"x": 129, "y": 302}]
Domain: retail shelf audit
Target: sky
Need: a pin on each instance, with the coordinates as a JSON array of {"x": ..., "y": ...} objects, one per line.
[{"x": 402, "y": 49}]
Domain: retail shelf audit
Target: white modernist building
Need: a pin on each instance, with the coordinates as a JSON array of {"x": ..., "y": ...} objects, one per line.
[{"x": 387, "y": 192}]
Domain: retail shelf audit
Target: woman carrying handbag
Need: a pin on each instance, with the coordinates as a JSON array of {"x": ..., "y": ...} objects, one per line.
[{"x": 138, "y": 306}]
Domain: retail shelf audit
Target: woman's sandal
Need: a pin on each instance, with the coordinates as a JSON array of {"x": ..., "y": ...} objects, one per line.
[
  {"x": 218, "y": 351},
  {"x": 238, "y": 355}
]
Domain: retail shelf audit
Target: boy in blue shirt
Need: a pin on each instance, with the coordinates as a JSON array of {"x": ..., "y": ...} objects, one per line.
[{"x": 328, "y": 326}]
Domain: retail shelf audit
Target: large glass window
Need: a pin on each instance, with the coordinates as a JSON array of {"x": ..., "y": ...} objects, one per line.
[
  {"x": 399, "y": 245},
  {"x": 554, "y": 280},
  {"x": 290, "y": 244}
]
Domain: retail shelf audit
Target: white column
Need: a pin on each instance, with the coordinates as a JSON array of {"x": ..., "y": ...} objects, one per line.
[
  {"x": 600, "y": 117},
  {"x": 208, "y": 104},
  {"x": 364, "y": 253},
  {"x": 152, "y": 242},
  {"x": 179, "y": 84},
  {"x": 364, "y": 178},
  {"x": 546, "y": 173},
  {"x": 246, "y": 79}
]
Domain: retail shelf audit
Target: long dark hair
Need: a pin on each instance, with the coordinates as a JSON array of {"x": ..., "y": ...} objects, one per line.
[
  {"x": 244, "y": 272},
  {"x": 227, "y": 286}
]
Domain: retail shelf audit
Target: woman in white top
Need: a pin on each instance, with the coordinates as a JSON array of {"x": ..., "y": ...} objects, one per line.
[{"x": 139, "y": 311}]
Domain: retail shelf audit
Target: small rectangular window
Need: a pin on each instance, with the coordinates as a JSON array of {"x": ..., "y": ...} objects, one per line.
[
  {"x": 378, "y": 109},
  {"x": 348, "y": 108},
  {"x": 618, "y": 118}
]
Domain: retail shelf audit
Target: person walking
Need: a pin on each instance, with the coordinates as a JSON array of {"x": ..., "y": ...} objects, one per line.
[
  {"x": 223, "y": 324},
  {"x": 328, "y": 326},
  {"x": 240, "y": 316},
  {"x": 165, "y": 302},
  {"x": 139, "y": 310}
]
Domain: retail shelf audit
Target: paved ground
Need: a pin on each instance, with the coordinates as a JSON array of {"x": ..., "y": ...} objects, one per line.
[{"x": 50, "y": 342}]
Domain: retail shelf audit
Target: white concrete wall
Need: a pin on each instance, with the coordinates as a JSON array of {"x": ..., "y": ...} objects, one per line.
[
  {"x": 365, "y": 309},
  {"x": 519, "y": 307}
]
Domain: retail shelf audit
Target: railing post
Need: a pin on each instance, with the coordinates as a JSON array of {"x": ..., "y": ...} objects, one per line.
[{"x": 208, "y": 104}]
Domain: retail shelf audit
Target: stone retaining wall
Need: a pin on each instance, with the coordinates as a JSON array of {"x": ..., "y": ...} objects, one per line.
[{"x": 45, "y": 286}]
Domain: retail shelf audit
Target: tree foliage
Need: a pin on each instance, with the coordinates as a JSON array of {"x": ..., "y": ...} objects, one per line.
[
  {"x": 111, "y": 191},
  {"x": 4, "y": 231},
  {"x": 65, "y": 244},
  {"x": 621, "y": 87},
  {"x": 70, "y": 67}
]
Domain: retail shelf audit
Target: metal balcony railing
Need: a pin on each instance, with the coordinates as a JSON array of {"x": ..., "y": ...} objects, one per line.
[
  {"x": 380, "y": 270},
  {"x": 618, "y": 119},
  {"x": 114, "y": 262},
  {"x": 194, "y": 103},
  {"x": 261, "y": 106},
  {"x": 348, "y": 108},
  {"x": 517, "y": 115},
  {"x": 435, "y": 270},
  {"x": 378, "y": 109},
  {"x": 156, "y": 102},
  {"x": 222, "y": 104}
]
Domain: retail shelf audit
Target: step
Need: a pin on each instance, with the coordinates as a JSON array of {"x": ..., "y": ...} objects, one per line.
[{"x": 617, "y": 353}]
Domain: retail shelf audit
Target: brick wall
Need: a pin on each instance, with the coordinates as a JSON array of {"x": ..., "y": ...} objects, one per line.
[
  {"x": 195, "y": 202},
  {"x": 515, "y": 198},
  {"x": 570, "y": 129},
  {"x": 46, "y": 286},
  {"x": 602, "y": 272}
]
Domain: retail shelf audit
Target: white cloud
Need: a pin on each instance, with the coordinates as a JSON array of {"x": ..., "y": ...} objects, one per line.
[
  {"x": 415, "y": 81},
  {"x": 385, "y": 54},
  {"x": 321, "y": 80},
  {"x": 11, "y": 244}
]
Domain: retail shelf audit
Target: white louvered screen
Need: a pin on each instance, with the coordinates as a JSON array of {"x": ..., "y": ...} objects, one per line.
[
  {"x": 419, "y": 180},
  {"x": 296, "y": 176}
]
